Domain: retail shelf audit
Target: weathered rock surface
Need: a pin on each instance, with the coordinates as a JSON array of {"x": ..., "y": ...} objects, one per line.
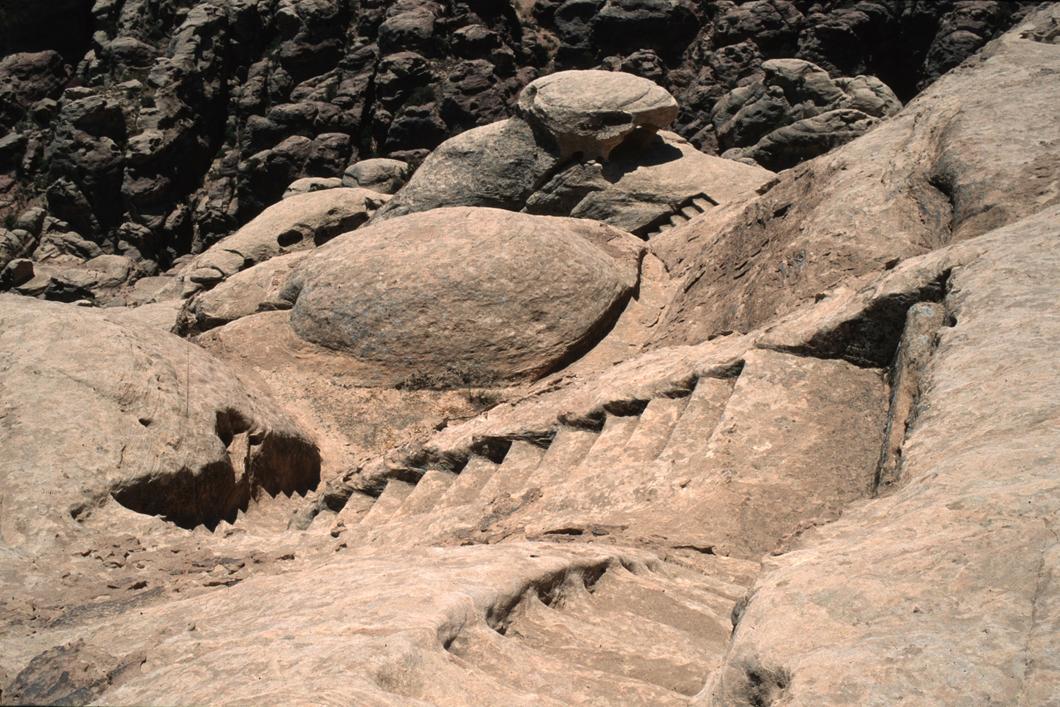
[
  {"x": 348, "y": 399},
  {"x": 256, "y": 289},
  {"x": 470, "y": 289},
  {"x": 380, "y": 174},
  {"x": 799, "y": 447},
  {"x": 315, "y": 86},
  {"x": 938, "y": 172},
  {"x": 153, "y": 422},
  {"x": 647, "y": 189},
  {"x": 796, "y": 112},
  {"x": 772, "y": 413},
  {"x": 494, "y": 607},
  {"x": 496, "y": 165},
  {"x": 27, "y": 79},
  {"x": 944, "y": 590},
  {"x": 590, "y": 113},
  {"x": 356, "y": 410},
  {"x": 806, "y": 138},
  {"x": 623, "y": 173},
  {"x": 690, "y": 467},
  {"x": 307, "y": 185},
  {"x": 296, "y": 223}
]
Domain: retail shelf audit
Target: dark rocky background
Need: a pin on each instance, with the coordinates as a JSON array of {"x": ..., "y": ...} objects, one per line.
[{"x": 152, "y": 128}]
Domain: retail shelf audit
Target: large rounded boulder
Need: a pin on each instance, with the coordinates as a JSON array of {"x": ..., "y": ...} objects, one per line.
[
  {"x": 494, "y": 165},
  {"x": 462, "y": 295}
]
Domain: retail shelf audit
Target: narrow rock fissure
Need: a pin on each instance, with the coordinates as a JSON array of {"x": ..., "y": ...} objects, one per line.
[
  {"x": 871, "y": 339},
  {"x": 912, "y": 358}
]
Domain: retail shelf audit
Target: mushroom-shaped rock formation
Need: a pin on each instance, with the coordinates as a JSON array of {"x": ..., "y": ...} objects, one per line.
[
  {"x": 459, "y": 295},
  {"x": 594, "y": 154},
  {"x": 592, "y": 112},
  {"x": 296, "y": 223}
]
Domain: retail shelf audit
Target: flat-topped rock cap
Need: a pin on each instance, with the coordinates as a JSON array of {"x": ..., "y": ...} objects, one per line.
[
  {"x": 380, "y": 174},
  {"x": 487, "y": 293},
  {"x": 594, "y": 111}
]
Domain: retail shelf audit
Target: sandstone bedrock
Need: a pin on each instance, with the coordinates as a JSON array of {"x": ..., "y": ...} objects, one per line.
[{"x": 550, "y": 352}]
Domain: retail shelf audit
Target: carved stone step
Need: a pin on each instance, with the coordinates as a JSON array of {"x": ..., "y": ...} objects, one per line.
[
  {"x": 654, "y": 428},
  {"x": 677, "y": 220},
  {"x": 691, "y": 433},
  {"x": 703, "y": 203},
  {"x": 609, "y": 447},
  {"x": 390, "y": 500},
  {"x": 567, "y": 450},
  {"x": 428, "y": 491},
  {"x": 520, "y": 460},
  {"x": 468, "y": 483}
]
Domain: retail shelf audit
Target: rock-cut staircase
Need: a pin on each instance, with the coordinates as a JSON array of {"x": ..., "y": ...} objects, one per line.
[
  {"x": 708, "y": 477},
  {"x": 620, "y": 634},
  {"x": 685, "y": 212},
  {"x": 732, "y": 466}
]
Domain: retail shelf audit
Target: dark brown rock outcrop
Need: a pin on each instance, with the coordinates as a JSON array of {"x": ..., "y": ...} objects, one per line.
[{"x": 155, "y": 129}]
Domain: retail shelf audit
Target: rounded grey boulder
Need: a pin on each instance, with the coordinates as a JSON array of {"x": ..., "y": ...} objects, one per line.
[
  {"x": 461, "y": 295},
  {"x": 378, "y": 174}
]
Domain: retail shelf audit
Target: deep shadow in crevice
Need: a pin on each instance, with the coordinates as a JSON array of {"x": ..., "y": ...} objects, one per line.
[
  {"x": 871, "y": 339},
  {"x": 256, "y": 462},
  {"x": 642, "y": 148}
]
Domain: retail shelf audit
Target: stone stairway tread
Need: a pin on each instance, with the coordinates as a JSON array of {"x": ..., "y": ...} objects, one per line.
[
  {"x": 654, "y": 428},
  {"x": 389, "y": 501},
  {"x": 568, "y": 449},
  {"x": 703, "y": 410},
  {"x": 797, "y": 441},
  {"x": 621, "y": 643},
  {"x": 521, "y": 459},
  {"x": 606, "y": 454},
  {"x": 357, "y": 506},
  {"x": 465, "y": 488},
  {"x": 598, "y": 494},
  {"x": 608, "y": 449},
  {"x": 449, "y": 520},
  {"x": 726, "y": 580},
  {"x": 431, "y": 487},
  {"x": 550, "y": 678},
  {"x": 703, "y": 615}
]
